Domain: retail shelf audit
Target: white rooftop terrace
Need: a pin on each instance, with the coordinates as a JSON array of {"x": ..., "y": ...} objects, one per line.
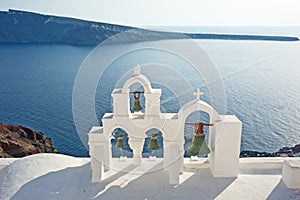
[{"x": 259, "y": 178}]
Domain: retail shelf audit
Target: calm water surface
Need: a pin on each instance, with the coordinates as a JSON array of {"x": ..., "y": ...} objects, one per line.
[{"x": 261, "y": 81}]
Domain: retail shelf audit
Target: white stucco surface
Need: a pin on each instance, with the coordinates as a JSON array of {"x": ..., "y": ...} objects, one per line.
[
  {"x": 291, "y": 173},
  {"x": 66, "y": 180}
]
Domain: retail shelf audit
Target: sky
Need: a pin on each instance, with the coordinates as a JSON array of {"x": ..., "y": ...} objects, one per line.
[{"x": 168, "y": 12}]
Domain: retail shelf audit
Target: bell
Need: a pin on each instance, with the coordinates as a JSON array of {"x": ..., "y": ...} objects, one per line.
[
  {"x": 198, "y": 146},
  {"x": 136, "y": 105},
  {"x": 120, "y": 142},
  {"x": 153, "y": 143},
  {"x": 194, "y": 149}
]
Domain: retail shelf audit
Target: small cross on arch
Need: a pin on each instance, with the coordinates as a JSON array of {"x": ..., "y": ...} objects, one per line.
[{"x": 198, "y": 93}]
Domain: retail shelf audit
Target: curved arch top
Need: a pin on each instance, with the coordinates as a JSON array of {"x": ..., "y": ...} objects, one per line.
[
  {"x": 113, "y": 128},
  {"x": 160, "y": 129},
  {"x": 137, "y": 78},
  {"x": 143, "y": 80},
  {"x": 197, "y": 105}
]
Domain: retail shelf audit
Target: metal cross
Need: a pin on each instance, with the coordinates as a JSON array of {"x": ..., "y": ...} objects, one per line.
[{"x": 198, "y": 93}]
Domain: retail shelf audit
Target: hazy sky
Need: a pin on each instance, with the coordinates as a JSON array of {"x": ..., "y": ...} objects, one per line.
[{"x": 169, "y": 12}]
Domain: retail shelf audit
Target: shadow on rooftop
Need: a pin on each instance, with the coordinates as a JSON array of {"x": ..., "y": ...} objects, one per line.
[
  {"x": 70, "y": 183},
  {"x": 75, "y": 183},
  {"x": 260, "y": 172},
  {"x": 155, "y": 185},
  {"x": 282, "y": 192}
]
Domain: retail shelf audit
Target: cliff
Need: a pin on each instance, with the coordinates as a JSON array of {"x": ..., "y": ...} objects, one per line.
[
  {"x": 283, "y": 152},
  {"x": 27, "y": 27},
  {"x": 18, "y": 141}
]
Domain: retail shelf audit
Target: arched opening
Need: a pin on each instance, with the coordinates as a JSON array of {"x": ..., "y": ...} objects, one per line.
[
  {"x": 119, "y": 144},
  {"x": 136, "y": 98},
  {"x": 196, "y": 134},
  {"x": 154, "y": 147}
]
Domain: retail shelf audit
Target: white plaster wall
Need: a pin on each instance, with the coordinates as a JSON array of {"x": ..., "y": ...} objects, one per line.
[
  {"x": 224, "y": 136},
  {"x": 224, "y": 158}
]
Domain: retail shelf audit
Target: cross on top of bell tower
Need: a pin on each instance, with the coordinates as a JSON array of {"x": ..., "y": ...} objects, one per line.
[
  {"x": 198, "y": 94},
  {"x": 137, "y": 70}
]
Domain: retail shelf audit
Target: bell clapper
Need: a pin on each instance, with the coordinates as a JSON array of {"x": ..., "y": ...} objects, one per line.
[
  {"x": 122, "y": 154},
  {"x": 153, "y": 145},
  {"x": 152, "y": 154}
]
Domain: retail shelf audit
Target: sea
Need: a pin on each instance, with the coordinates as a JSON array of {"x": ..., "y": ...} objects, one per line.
[{"x": 260, "y": 81}]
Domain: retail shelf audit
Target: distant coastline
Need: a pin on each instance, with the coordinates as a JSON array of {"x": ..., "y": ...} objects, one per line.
[{"x": 26, "y": 27}]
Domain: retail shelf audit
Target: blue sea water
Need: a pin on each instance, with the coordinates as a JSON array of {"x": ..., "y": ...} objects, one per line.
[{"x": 261, "y": 81}]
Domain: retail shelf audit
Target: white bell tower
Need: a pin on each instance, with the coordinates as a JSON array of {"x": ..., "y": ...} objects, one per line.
[{"x": 224, "y": 136}]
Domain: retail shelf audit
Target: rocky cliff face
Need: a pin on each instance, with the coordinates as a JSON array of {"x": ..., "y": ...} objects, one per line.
[
  {"x": 283, "y": 152},
  {"x": 18, "y": 141}
]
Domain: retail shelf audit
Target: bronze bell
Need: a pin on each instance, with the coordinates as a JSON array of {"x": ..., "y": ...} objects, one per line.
[
  {"x": 136, "y": 105},
  {"x": 153, "y": 143},
  {"x": 120, "y": 142},
  {"x": 198, "y": 146}
]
